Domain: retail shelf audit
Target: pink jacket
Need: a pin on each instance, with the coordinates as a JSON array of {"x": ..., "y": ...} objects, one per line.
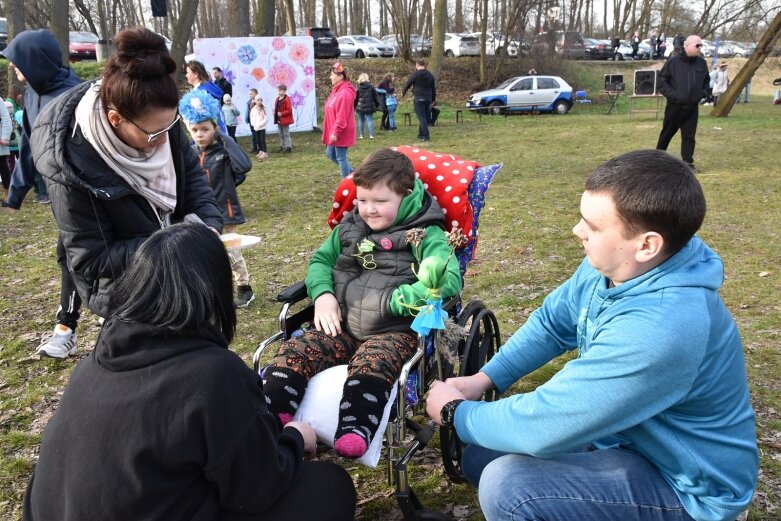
[{"x": 339, "y": 117}]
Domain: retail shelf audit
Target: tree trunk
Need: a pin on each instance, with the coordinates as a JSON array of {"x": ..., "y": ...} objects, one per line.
[
  {"x": 290, "y": 17},
  {"x": 438, "y": 37},
  {"x": 264, "y": 18},
  {"x": 483, "y": 31},
  {"x": 59, "y": 27},
  {"x": 14, "y": 9},
  {"x": 764, "y": 47},
  {"x": 181, "y": 35}
]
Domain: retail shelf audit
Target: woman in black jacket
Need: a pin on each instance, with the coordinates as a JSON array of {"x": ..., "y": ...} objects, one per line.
[
  {"x": 163, "y": 421},
  {"x": 118, "y": 164},
  {"x": 366, "y": 104}
]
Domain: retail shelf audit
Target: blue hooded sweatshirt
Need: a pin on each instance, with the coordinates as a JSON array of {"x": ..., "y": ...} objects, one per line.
[
  {"x": 659, "y": 372},
  {"x": 38, "y": 56}
]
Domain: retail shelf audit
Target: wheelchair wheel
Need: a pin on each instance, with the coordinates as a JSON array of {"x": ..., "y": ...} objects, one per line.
[{"x": 477, "y": 348}]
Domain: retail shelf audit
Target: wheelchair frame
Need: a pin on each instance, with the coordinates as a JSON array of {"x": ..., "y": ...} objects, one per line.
[{"x": 474, "y": 350}]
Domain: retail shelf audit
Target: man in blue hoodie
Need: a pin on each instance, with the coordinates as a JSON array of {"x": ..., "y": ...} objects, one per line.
[
  {"x": 37, "y": 59},
  {"x": 652, "y": 420}
]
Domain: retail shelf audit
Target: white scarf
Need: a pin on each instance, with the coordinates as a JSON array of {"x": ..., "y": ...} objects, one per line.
[{"x": 151, "y": 174}]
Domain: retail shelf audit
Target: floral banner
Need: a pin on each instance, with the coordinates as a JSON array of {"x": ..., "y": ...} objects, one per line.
[{"x": 264, "y": 64}]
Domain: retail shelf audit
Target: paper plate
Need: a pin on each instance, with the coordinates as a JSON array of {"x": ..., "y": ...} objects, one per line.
[{"x": 237, "y": 240}]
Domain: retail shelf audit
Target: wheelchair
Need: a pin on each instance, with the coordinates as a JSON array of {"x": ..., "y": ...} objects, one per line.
[
  {"x": 476, "y": 340},
  {"x": 404, "y": 436}
]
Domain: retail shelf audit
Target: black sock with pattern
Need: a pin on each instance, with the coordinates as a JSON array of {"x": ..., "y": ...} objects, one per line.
[
  {"x": 360, "y": 412},
  {"x": 284, "y": 390}
]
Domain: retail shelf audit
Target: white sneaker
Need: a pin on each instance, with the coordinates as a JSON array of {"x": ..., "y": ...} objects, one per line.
[{"x": 61, "y": 344}]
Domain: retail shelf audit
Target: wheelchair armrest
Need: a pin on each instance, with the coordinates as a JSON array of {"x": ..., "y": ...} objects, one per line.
[{"x": 293, "y": 293}]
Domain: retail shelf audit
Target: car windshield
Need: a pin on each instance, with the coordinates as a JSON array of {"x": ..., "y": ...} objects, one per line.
[
  {"x": 83, "y": 38},
  {"x": 367, "y": 39},
  {"x": 506, "y": 83}
]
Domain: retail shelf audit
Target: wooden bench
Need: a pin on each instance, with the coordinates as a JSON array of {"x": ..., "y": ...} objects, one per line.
[
  {"x": 408, "y": 116},
  {"x": 655, "y": 111}
]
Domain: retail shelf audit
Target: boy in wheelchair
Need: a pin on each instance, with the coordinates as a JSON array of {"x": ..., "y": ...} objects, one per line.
[{"x": 362, "y": 283}]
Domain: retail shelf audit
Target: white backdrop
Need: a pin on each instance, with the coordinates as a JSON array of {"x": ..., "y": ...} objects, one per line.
[{"x": 264, "y": 64}]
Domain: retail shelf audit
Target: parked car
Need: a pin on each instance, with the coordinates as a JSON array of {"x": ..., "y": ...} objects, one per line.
[
  {"x": 598, "y": 49},
  {"x": 743, "y": 50},
  {"x": 3, "y": 33},
  {"x": 495, "y": 45},
  {"x": 625, "y": 51},
  {"x": 525, "y": 93},
  {"x": 360, "y": 46},
  {"x": 325, "y": 43},
  {"x": 82, "y": 46},
  {"x": 419, "y": 45},
  {"x": 568, "y": 44},
  {"x": 461, "y": 45}
]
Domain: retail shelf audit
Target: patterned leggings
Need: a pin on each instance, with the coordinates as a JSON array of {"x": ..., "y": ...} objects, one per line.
[{"x": 372, "y": 367}]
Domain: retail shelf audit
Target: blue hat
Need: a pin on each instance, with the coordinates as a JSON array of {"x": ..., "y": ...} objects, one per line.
[{"x": 198, "y": 105}]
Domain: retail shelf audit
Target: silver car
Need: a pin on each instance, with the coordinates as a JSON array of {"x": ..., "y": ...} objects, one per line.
[{"x": 361, "y": 46}]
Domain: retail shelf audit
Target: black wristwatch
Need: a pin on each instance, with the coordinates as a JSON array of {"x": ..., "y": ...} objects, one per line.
[{"x": 448, "y": 413}]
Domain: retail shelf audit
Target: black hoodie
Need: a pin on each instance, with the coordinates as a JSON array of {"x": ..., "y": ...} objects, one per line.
[
  {"x": 684, "y": 80},
  {"x": 155, "y": 425}
]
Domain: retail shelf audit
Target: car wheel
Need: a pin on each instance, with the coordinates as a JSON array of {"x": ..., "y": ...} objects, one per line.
[
  {"x": 561, "y": 107},
  {"x": 359, "y": 54},
  {"x": 449, "y": 54},
  {"x": 496, "y": 107},
  {"x": 738, "y": 55}
]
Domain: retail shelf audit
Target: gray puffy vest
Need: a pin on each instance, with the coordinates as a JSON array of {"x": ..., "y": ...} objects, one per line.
[{"x": 364, "y": 293}]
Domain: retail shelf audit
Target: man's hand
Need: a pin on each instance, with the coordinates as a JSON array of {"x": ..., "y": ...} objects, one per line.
[
  {"x": 472, "y": 387},
  {"x": 439, "y": 394},
  {"x": 310, "y": 438},
  {"x": 328, "y": 315}
]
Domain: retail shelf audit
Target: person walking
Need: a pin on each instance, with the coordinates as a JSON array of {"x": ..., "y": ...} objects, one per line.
[
  {"x": 424, "y": 89},
  {"x": 339, "y": 118},
  {"x": 684, "y": 81},
  {"x": 720, "y": 82}
]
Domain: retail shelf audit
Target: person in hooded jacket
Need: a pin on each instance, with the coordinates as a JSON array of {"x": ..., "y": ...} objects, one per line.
[
  {"x": 366, "y": 104},
  {"x": 119, "y": 165},
  {"x": 37, "y": 59},
  {"x": 163, "y": 421},
  {"x": 339, "y": 118},
  {"x": 684, "y": 80}
]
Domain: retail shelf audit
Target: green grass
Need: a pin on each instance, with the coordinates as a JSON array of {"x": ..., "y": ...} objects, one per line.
[{"x": 526, "y": 249}]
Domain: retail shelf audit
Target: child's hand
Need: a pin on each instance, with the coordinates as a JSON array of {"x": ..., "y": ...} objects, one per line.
[
  {"x": 308, "y": 433},
  {"x": 328, "y": 315}
]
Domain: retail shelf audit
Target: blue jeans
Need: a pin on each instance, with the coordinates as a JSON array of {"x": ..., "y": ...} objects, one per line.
[
  {"x": 339, "y": 156},
  {"x": 609, "y": 485},
  {"x": 423, "y": 112},
  {"x": 365, "y": 119},
  {"x": 392, "y": 116}
]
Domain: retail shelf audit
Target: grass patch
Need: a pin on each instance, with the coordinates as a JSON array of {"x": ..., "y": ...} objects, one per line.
[{"x": 526, "y": 249}]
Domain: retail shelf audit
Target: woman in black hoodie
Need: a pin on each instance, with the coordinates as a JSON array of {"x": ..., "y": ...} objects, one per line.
[{"x": 163, "y": 421}]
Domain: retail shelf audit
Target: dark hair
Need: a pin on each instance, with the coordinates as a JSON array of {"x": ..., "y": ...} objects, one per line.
[
  {"x": 138, "y": 77},
  {"x": 282, "y": 87},
  {"x": 652, "y": 191},
  {"x": 216, "y": 69},
  {"x": 199, "y": 70},
  {"x": 388, "y": 77},
  {"x": 386, "y": 166},
  {"x": 421, "y": 61},
  {"x": 180, "y": 278},
  {"x": 16, "y": 93}
]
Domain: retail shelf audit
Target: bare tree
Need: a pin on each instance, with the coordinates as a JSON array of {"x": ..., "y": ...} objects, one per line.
[
  {"x": 764, "y": 47},
  {"x": 264, "y": 18},
  {"x": 290, "y": 16},
  {"x": 182, "y": 32},
  {"x": 438, "y": 37},
  {"x": 238, "y": 16}
]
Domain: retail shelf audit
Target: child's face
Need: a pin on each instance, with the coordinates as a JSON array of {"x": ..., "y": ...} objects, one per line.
[
  {"x": 604, "y": 239},
  {"x": 378, "y": 206},
  {"x": 202, "y": 133},
  {"x": 282, "y": 93}
]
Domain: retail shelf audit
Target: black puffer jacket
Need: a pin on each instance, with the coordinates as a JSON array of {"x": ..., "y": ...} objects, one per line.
[
  {"x": 366, "y": 100},
  {"x": 684, "y": 80},
  {"x": 224, "y": 162},
  {"x": 102, "y": 220}
]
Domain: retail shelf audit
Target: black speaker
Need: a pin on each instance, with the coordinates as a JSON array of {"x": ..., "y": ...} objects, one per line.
[
  {"x": 614, "y": 82},
  {"x": 645, "y": 82}
]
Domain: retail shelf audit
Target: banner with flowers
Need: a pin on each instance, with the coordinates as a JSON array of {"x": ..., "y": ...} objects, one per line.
[{"x": 264, "y": 64}]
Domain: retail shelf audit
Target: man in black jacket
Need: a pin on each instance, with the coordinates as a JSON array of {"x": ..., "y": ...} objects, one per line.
[
  {"x": 684, "y": 82},
  {"x": 222, "y": 82},
  {"x": 425, "y": 91}
]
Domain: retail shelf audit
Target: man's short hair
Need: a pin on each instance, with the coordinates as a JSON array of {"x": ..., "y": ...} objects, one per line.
[
  {"x": 652, "y": 191},
  {"x": 421, "y": 61},
  {"x": 389, "y": 167},
  {"x": 217, "y": 69}
]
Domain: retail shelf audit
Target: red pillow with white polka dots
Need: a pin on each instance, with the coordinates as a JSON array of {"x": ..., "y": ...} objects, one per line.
[{"x": 445, "y": 176}]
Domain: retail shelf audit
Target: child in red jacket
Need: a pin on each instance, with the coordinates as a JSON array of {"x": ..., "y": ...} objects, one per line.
[{"x": 283, "y": 117}]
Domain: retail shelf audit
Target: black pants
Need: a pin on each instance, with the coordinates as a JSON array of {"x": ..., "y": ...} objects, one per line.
[
  {"x": 232, "y": 131},
  {"x": 423, "y": 112},
  {"x": 683, "y": 118},
  {"x": 324, "y": 491},
  {"x": 260, "y": 139},
  {"x": 254, "y": 139},
  {"x": 5, "y": 173},
  {"x": 70, "y": 301},
  {"x": 384, "y": 122}
]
